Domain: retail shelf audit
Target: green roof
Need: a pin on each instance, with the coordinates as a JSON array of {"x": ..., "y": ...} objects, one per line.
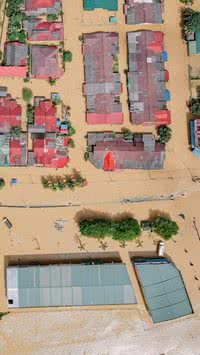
[
  {"x": 111, "y": 5},
  {"x": 69, "y": 284},
  {"x": 163, "y": 289}
]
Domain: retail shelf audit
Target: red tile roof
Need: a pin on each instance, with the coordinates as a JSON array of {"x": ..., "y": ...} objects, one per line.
[
  {"x": 45, "y": 115},
  {"x": 13, "y": 72},
  {"x": 15, "y": 152},
  {"x": 47, "y": 31},
  {"x": 10, "y": 113},
  {"x": 49, "y": 157},
  {"x": 39, "y": 4},
  {"x": 45, "y": 62},
  {"x": 105, "y": 118}
]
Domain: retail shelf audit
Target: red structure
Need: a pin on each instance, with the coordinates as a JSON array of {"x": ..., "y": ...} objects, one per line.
[
  {"x": 13, "y": 72},
  {"x": 45, "y": 31},
  {"x": 39, "y": 4},
  {"x": 46, "y": 153},
  {"x": 10, "y": 114},
  {"x": 45, "y": 62},
  {"x": 45, "y": 116}
]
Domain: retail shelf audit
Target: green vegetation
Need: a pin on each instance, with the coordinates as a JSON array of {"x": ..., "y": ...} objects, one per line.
[
  {"x": 165, "y": 227},
  {"x": 71, "y": 130},
  {"x": 27, "y": 94},
  {"x": 195, "y": 107},
  {"x": 71, "y": 143},
  {"x": 52, "y": 81},
  {"x": 128, "y": 135},
  {"x": 2, "y": 184},
  {"x": 1, "y": 55},
  {"x": 30, "y": 114},
  {"x": 2, "y": 314},
  {"x": 15, "y": 31},
  {"x": 56, "y": 183},
  {"x": 191, "y": 20},
  {"x": 67, "y": 56},
  {"x": 52, "y": 17},
  {"x": 187, "y": 2},
  {"x": 15, "y": 131},
  {"x": 126, "y": 229},
  {"x": 164, "y": 134}
]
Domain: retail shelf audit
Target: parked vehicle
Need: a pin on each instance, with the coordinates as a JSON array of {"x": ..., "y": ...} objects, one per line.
[
  {"x": 7, "y": 223},
  {"x": 161, "y": 248}
]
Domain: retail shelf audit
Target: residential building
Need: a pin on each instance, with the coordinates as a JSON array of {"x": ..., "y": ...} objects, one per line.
[
  {"x": 42, "y": 7},
  {"x": 45, "y": 62},
  {"x": 10, "y": 113},
  {"x": 69, "y": 285},
  {"x": 111, "y": 5},
  {"x": 147, "y": 78},
  {"x": 142, "y": 12},
  {"x": 13, "y": 150},
  {"x": 193, "y": 41},
  {"x": 102, "y": 86},
  {"x": 49, "y": 150},
  {"x": 38, "y": 30},
  {"x": 15, "y": 54},
  {"x": 195, "y": 136},
  {"x": 111, "y": 151}
]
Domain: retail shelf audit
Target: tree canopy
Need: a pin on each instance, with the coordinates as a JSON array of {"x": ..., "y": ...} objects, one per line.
[
  {"x": 127, "y": 229},
  {"x": 27, "y": 94},
  {"x": 165, "y": 227},
  {"x": 191, "y": 20},
  {"x": 164, "y": 133}
]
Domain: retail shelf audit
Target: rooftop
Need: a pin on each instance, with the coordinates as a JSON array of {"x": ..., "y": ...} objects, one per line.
[
  {"x": 45, "y": 62},
  {"x": 68, "y": 285},
  {"x": 145, "y": 11},
  {"x": 10, "y": 113},
  {"x": 147, "y": 78},
  {"x": 111, "y": 152},
  {"x": 111, "y": 5},
  {"x": 39, "y": 30},
  {"x": 41, "y": 7},
  {"x": 102, "y": 79},
  {"x": 15, "y": 54}
]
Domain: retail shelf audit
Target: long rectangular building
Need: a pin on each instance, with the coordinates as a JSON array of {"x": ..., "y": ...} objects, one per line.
[
  {"x": 102, "y": 86},
  {"x": 68, "y": 285},
  {"x": 147, "y": 78},
  {"x": 145, "y": 11}
]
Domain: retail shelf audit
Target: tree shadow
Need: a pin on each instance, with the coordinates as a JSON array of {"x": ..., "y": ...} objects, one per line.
[
  {"x": 157, "y": 213},
  {"x": 91, "y": 214}
]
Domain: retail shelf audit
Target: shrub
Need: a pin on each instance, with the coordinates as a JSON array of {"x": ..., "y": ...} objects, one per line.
[
  {"x": 195, "y": 107},
  {"x": 67, "y": 56},
  {"x": 27, "y": 94},
  {"x": 71, "y": 143},
  {"x": 71, "y": 131},
  {"x": 2, "y": 314},
  {"x": 165, "y": 227},
  {"x": 63, "y": 182},
  {"x": 52, "y": 81},
  {"x": 15, "y": 131},
  {"x": 164, "y": 133},
  {"x": 52, "y": 17},
  {"x": 128, "y": 135},
  {"x": 30, "y": 114},
  {"x": 191, "y": 20},
  {"x": 2, "y": 183}
]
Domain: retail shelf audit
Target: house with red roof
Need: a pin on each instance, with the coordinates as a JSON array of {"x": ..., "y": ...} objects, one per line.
[
  {"x": 13, "y": 150},
  {"x": 45, "y": 116},
  {"x": 42, "y": 7},
  {"x": 112, "y": 152},
  {"x": 38, "y": 30},
  {"x": 49, "y": 151},
  {"x": 102, "y": 86},
  {"x": 10, "y": 113},
  {"x": 147, "y": 78},
  {"x": 45, "y": 62},
  {"x": 145, "y": 11},
  {"x": 15, "y": 60}
]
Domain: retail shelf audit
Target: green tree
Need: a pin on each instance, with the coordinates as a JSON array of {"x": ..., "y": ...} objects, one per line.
[
  {"x": 27, "y": 94},
  {"x": 126, "y": 230},
  {"x": 30, "y": 114},
  {"x": 22, "y": 37},
  {"x": 2, "y": 314},
  {"x": 191, "y": 20},
  {"x": 195, "y": 107},
  {"x": 15, "y": 131},
  {"x": 128, "y": 135},
  {"x": 67, "y": 56},
  {"x": 52, "y": 81},
  {"x": 71, "y": 143},
  {"x": 165, "y": 227},
  {"x": 52, "y": 17},
  {"x": 96, "y": 228},
  {"x": 164, "y": 134}
]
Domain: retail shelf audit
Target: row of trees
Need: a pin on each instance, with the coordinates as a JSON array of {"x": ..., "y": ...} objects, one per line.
[
  {"x": 57, "y": 182},
  {"x": 126, "y": 229}
]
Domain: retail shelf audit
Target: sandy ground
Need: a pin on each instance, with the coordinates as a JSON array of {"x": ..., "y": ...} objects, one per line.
[{"x": 109, "y": 332}]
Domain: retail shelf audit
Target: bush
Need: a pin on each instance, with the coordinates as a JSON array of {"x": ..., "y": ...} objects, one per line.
[
  {"x": 30, "y": 114},
  {"x": 195, "y": 107},
  {"x": 164, "y": 133},
  {"x": 191, "y": 20},
  {"x": 15, "y": 131},
  {"x": 52, "y": 17},
  {"x": 67, "y": 56},
  {"x": 63, "y": 182},
  {"x": 52, "y": 81},
  {"x": 71, "y": 143},
  {"x": 27, "y": 94},
  {"x": 71, "y": 131},
  {"x": 2, "y": 183},
  {"x": 128, "y": 135},
  {"x": 165, "y": 227},
  {"x": 2, "y": 314}
]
